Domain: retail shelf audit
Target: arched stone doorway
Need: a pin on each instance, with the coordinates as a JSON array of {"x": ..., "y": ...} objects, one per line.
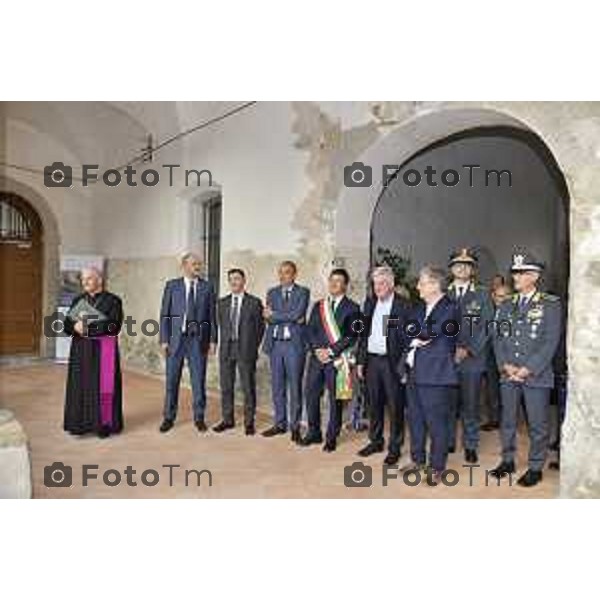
[
  {"x": 48, "y": 275},
  {"x": 526, "y": 207},
  {"x": 21, "y": 267},
  {"x": 352, "y": 245}
]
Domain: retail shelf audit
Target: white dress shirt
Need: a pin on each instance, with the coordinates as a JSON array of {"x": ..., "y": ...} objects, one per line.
[
  {"x": 286, "y": 330},
  {"x": 377, "y": 338},
  {"x": 415, "y": 342},
  {"x": 461, "y": 287},
  {"x": 240, "y": 300}
]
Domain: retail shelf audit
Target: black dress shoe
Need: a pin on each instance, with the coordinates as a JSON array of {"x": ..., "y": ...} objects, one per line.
[
  {"x": 250, "y": 430},
  {"x": 451, "y": 449},
  {"x": 296, "y": 437},
  {"x": 275, "y": 430},
  {"x": 503, "y": 469},
  {"x": 311, "y": 438},
  {"x": 490, "y": 426},
  {"x": 200, "y": 425},
  {"x": 370, "y": 448},
  {"x": 166, "y": 425},
  {"x": 391, "y": 459},
  {"x": 330, "y": 446},
  {"x": 530, "y": 478},
  {"x": 471, "y": 456},
  {"x": 104, "y": 432},
  {"x": 223, "y": 426}
]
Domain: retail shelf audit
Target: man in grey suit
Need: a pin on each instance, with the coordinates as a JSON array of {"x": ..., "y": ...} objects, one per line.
[
  {"x": 241, "y": 328},
  {"x": 527, "y": 334},
  {"x": 285, "y": 343}
]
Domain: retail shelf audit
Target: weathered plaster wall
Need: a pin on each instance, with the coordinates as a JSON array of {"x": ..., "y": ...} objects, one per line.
[{"x": 280, "y": 167}]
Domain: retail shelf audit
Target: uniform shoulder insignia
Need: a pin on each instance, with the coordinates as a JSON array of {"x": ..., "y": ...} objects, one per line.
[{"x": 550, "y": 297}]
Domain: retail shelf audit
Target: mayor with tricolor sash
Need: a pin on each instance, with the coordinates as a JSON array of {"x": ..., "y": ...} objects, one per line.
[{"x": 330, "y": 340}]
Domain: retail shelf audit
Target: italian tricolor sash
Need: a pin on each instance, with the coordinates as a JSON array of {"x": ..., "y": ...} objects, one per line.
[{"x": 343, "y": 373}]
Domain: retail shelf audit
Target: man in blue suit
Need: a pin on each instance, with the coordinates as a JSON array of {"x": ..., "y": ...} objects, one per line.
[
  {"x": 285, "y": 343},
  {"x": 330, "y": 337},
  {"x": 431, "y": 371},
  {"x": 187, "y": 331}
]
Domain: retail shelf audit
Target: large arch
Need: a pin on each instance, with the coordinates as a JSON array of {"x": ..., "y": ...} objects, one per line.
[
  {"x": 50, "y": 251},
  {"x": 355, "y": 205},
  {"x": 352, "y": 248},
  {"x": 477, "y": 214}
]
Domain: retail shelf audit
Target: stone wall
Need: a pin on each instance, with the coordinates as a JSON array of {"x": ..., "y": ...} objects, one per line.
[{"x": 330, "y": 224}]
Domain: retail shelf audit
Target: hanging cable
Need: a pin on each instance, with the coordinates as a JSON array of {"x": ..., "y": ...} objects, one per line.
[{"x": 136, "y": 159}]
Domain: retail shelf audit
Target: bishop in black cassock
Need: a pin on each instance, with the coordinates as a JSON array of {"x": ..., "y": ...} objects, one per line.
[{"x": 93, "y": 402}]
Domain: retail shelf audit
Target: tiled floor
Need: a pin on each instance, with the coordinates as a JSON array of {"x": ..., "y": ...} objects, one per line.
[{"x": 241, "y": 467}]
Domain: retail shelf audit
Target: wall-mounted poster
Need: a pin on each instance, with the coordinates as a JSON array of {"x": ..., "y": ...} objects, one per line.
[{"x": 70, "y": 268}]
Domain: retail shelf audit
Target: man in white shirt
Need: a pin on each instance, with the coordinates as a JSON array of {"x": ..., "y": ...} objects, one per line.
[{"x": 379, "y": 355}]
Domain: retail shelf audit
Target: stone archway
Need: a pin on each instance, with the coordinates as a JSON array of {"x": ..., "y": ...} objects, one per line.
[
  {"x": 569, "y": 131},
  {"x": 355, "y": 205},
  {"x": 50, "y": 243},
  {"x": 478, "y": 210}
]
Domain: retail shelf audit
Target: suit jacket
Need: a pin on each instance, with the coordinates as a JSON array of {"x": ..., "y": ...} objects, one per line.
[
  {"x": 476, "y": 311},
  {"x": 173, "y": 310},
  {"x": 345, "y": 313},
  {"x": 434, "y": 363},
  {"x": 292, "y": 315},
  {"x": 395, "y": 339},
  {"x": 251, "y": 327}
]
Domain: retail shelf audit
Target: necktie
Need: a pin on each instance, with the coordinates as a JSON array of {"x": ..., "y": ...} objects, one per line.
[
  {"x": 286, "y": 296},
  {"x": 189, "y": 309},
  {"x": 235, "y": 312},
  {"x": 332, "y": 304},
  {"x": 523, "y": 303}
]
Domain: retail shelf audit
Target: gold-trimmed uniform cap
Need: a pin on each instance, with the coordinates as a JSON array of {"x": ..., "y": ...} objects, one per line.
[{"x": 463, "y": 256}]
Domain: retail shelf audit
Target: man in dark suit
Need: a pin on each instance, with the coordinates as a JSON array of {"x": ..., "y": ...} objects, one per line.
[
  {"x": 241, "y": 329},
  {"x": 285, "y": 343},
  {"x": 432, "y": 376},
  {"x": 187, "y": 330},
  {"x": 330, "y": 338},
  {"x": 379, "y": 354}
]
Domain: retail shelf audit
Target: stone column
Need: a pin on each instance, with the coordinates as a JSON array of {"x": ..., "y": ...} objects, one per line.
[{"x": 15, "y": 468}]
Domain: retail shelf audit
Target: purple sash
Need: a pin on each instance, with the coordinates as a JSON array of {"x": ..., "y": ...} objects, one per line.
[{"x": 108, "y": 345}]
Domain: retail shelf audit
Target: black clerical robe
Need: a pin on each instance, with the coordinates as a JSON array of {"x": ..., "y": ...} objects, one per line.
[{"x": 93, "y": 400}]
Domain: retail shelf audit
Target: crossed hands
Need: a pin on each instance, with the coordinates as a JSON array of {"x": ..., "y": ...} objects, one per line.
[
  {"x": 514, "y": 373},
  {"x": 323, "y": 355}
]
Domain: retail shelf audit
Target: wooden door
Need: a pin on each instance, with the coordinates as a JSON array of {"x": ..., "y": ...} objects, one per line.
[{"x": 20, "y": 276}]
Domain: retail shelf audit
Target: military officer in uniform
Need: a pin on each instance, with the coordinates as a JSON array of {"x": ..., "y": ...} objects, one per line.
[
  {"x": 476, "y": 311},
  {"x": 526, "y": 338}
]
